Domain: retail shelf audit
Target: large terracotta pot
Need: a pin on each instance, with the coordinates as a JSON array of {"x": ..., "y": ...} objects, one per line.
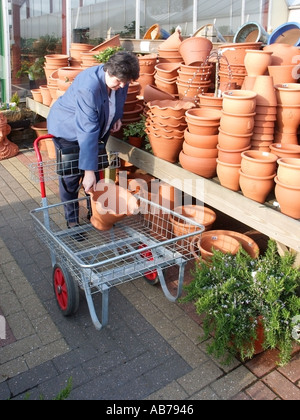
[
  {"x": 236, "y": 52},
  {"x": 239, "y": 101},
  {"x": 205, "y": 167},
  {"x": 110, "y": 204},
  {"x": 199, "y": 214},
  {"x": 210, "y": 241},
  {"x": 258, "y": 163},
  {"x": 288, "y": 94},
  {"x": 257, "y": 62},
  {"x": 264, "y": 87},
  {"x": 256, "y": 188},
  {"x": 195, "y": 49},
  {"x": 147, "y": 63},
  {"x": 282, "y": 54},
  {"x": 173, "y": 41},
  {"x": 289, "y": 171},
  {"x": 288, "y": 198},
  {"x": 283, "y": 74},
  {"x": 166, "y": 148},
  {"x": 288, "y": 118},
  {"x": 237, "y": 123},
  {"x": 228, "y": 174}
]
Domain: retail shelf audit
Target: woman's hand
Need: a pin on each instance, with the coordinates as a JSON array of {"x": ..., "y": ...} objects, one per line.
[
  {"x": 89, "y": 181},
  {"x": 117, "y": 126}
]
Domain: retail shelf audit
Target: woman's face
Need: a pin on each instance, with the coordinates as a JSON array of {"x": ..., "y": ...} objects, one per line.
[{"x": 113, "y": 82}]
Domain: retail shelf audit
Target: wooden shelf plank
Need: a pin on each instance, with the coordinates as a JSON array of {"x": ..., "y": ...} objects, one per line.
[
  {"x": 37, "y": 107},
  {"x": 261, "y": 217}
]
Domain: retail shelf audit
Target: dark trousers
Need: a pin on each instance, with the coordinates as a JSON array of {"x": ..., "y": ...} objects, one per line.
[{"x": 69, "y": 188}]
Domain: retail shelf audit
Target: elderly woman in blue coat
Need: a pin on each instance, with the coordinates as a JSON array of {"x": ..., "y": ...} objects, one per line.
[{"x": 86, "y": 114}]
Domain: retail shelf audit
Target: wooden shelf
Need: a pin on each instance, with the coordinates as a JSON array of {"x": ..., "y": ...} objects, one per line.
[{"x": 261, "y": 217}]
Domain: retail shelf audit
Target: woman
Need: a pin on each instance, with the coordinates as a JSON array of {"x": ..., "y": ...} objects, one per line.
[{"x": 86, "y": 114}]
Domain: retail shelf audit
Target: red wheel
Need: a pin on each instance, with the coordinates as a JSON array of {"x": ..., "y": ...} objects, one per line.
[
  {"x": 151, "y": 277},
  {"x": 66, "y": 291}
]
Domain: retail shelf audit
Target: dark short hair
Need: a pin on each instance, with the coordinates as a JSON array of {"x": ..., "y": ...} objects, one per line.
[{"x": 124, "y": 66}]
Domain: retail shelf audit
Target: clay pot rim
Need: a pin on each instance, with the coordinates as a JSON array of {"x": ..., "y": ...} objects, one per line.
[
  {"x": 165, "y": 137},
  {"x": 167, "y": 67},
  {"x": 194, "y": 149},
  {"x": 205, "y": 114},
  {"x": 203, "y": 123},
  {"x": 285, "y": 148},
  {"x": 234, "y": 151},
  {"x": 260, "y": 52},
  {"x": 288, "y": 106},
  {"x": 193, "y": 85},
  {"x": 167, "y": 81},
  {"x": 289, "y": 162},
  {"x": 239, "y": 115},
  {"x": 239, "y": 94},
  {"x": 287, "y": 186},
  {"x": 282, "y": 66},
  {"x": 209, "y": 236},
  {"x": 288, "y": 87},
  {"x": 206, "y": 160},
  {"x": 235, "y": 135},
  {"x": 206, "y": 212},
  {"x": 166, "y": 104},
  {"x": 258, "y": 156},
  {"x": 240, "y": 45},
  {"x": 201, "y": 136},
  {"x": 57, "y": 56},
  {"x": 232, "y": 165},
  {"x": 262, "y": 178}
]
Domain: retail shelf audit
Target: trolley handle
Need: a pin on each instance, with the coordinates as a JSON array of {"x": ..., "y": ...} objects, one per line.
[{"x": 40, "y": 162}]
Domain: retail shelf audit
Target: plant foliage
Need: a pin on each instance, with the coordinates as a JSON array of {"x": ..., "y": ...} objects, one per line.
[
  {"x": 233, "y": 292},
  {"x": 135, "y": 129},
  {"x": 104, "y": 56}
]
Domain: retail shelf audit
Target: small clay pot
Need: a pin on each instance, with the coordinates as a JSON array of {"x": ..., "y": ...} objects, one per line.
[
  {"x": 237, "y": 123},
  {"x": 195, "y": 49},
  {"x": 205, "y": 167},
  {"x": 231, "y": 156},
  {"x": 167, "y": 70},
  {"x": 257, "y": 62},
  {"x": 285, "y": 150},
  {"x": 199, "y": 214},
  {"x": 196, "y": 140},
  {"x": 256, "y": 188},
  {"x": 209, "y": 100},
  {"x": 239, "y": 101},
  {"x": 288, "y": 94},
  {"x": 228, "y": 141},
  {"x": 224, "y": 243},
  {"x": 170, "y": 108},
  {"x": 258, "y": 163},
  {"x": 288, "y": 198},
  {"x": 289, "y": 171},
  {"x": 199, "y": 152},
  {"x": 228, "y": 174}
]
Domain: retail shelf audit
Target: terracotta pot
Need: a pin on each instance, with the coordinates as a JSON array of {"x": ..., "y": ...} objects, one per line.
[
  {"x": 282, "y": 54},
  {"x": 264, "y": 87},
  {"x": 228, "y": 141},
  {"x": 153, "y": 93},
  {"x": 209, "y": 100},
  {"x": 239, "y": 101},
  {"x": 283, "y": 74},
  {"x": 130, "y": 106},
  {"x": 132, "y": 96},
  {"x": 68, "y": 73},
  {"x": 77, "y": 48},
  {"x": 193, "y": 78},
  {"x": 147, "y": 63},
  {"x": 264, "y": 124},
  {"x": 248, "y": 83},
  {"x": 110, "y": 204},
  {"x": 134, "y": 87},
  {"x": 256, "y": 188},
  {"x": 164, "y": 131},
  {"x": 135, "y": 113},
  {"x": 220, "y": 242},
  {"x": 170, "y": 108},
  {"x": 136, "y": 141},
  {"x": 264, "y": 110},
  {"x": 172, "y": 122},
  {"x": 37, "y": 95},
  {"x": 289, "y": 171},
  {"x": 258, "y": 163},
  {"x": 204, "y": 128},
  {"x": 63, "y": 85},
  {"x": 40, "y": 128},
  {"x": 46, "y": 95},
  {"x": 286, "y": 138},
  {"x": 111, "y": 42},
  {"x": 199, "y": 152},
  {"x": 196, "y": 140},
  {"x": 228, "y": 174},
  {"x": 288, "y": 198},
  {"x": 286, "y": 150},
  {"x": 195, "y": 49},
  {"x": 237, "y": 123},
  {"x": 203, "y": 115},
  {"x": 231, "y": 156},
  {"x": 288, "y": 94},
  {"x": 173, "y": 41},
  {"x": 288, "y": 118},
  {"x": 199, "y": 214},
  {"x": 236, "y": 52},
  {"x": 51, "y": 149},
  {"x": 196, "y": 67},
  {"x": 166, "y": 148},
  {"x": 88, "y": 59},
  {"x": 192, "y": 91},
  {"x": 205, "y": 167},
  {"x": 166, "y": 85},
  {"x": 167, "y": 70},
  {"x": 257, "y": 62},
  {"x": 60, "y": 60},
  {"x": 144, "y": 80}
]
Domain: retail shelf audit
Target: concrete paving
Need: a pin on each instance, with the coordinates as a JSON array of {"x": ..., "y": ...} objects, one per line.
[{"x": 150, "y": 350}]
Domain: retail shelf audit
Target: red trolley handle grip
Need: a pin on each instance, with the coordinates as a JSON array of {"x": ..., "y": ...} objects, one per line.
[{"x": 40, "y": 162}]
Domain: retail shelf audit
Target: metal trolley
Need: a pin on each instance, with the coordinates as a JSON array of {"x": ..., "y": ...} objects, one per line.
[{"x": 141, "y": 245}]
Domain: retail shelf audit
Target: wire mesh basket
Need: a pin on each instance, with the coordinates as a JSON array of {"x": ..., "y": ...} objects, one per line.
[
  {"x": 51, "y": 170},
  {"x": 134, "y": 247}
]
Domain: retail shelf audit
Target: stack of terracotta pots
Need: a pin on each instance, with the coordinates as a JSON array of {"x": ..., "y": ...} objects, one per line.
[
  {"x": 236, "y": 130},
  {"x": 210, "y": 100},
  {"x": 288, "y": 113},
  {"x": 168, "y": 51},
  {"x": 266, "y": 111},
  {"x": 194, "y": 79},
  {"x": 166, "y": 77},
  {"x": 54, "y": 62},
  {"x": 199, "y": 154},
  {"x": 134, "y": 107},
  {"x": 147, "y": 70},
  {"x": 287, "y": 190},
  {"x": 232, "y": 65},
  {"x": 257, "y": 174},
  {"x": 165, "y": 127},
  {"x": 75, "y": 53}
]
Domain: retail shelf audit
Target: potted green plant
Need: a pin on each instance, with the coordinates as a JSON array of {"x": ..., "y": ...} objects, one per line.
[
  {"x": 134, "y": 132},
  {"x": 237, "y": 295},
  {"x": 104, "y": 56}
]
